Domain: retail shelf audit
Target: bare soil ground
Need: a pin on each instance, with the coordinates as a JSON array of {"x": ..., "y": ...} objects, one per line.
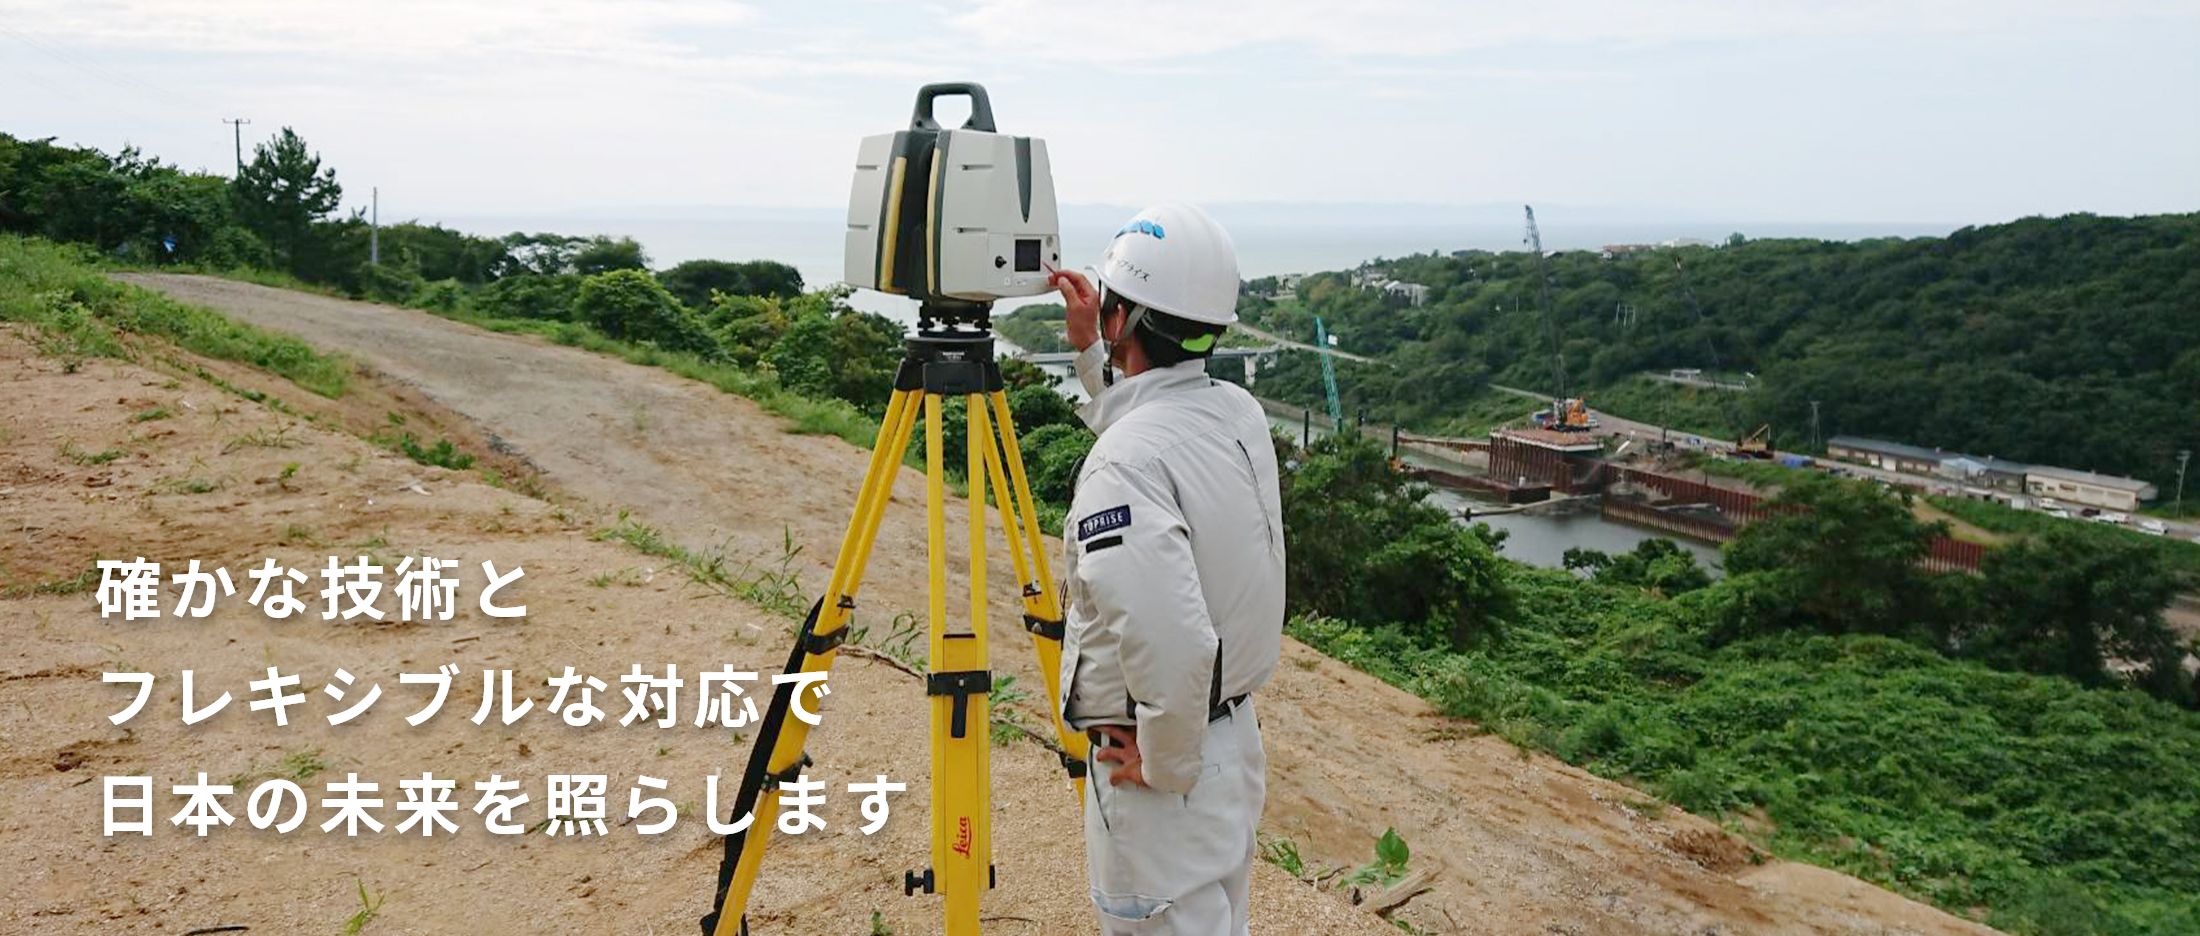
[{"x": 1517, "y": 843}]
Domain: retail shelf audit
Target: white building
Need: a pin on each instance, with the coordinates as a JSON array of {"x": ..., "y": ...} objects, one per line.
[
  {"x": 2087, "y": 488},
  {"x": 1414, "y": 292}
]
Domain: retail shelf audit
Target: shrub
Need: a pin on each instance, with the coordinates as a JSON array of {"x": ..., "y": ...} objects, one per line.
[
  {"x": 530, "y": 296},
  {"x": 445, "y": 295},
  {"x": 629, "y": 305}
]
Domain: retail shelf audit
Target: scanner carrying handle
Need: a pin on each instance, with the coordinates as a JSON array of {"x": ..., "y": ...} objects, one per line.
[{"x": 981, "y": 109}]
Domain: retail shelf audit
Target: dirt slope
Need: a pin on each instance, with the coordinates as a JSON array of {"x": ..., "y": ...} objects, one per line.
[{"x": 1518, "y": 843}]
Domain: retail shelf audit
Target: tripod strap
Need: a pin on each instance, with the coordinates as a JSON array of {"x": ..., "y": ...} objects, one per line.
[
  {"x": 758, "y": 775},
  {"x": 962, "y": 685}
]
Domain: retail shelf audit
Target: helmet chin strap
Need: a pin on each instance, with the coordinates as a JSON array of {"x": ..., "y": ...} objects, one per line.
[{"x": 1136, "y": 315}]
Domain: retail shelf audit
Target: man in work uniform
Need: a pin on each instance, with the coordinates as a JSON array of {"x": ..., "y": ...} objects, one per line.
[{"x": 1175, "y": 581}]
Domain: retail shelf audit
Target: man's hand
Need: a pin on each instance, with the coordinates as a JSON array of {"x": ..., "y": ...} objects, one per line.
[
  {"x": 1130, "y": 767},
  {"x": 1081, "y": 321}
]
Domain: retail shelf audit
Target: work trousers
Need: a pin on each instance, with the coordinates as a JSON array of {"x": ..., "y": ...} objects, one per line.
[{"x": 1162, "y": 864}]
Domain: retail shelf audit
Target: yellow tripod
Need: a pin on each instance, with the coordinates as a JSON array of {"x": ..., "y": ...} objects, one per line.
[{"x": 936, "y": 363}]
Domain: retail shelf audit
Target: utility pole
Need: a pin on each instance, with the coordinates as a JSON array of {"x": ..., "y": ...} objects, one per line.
[
  {"x": 374, "y": 228},
  {"x": 1815, "y": 441},
  {"x": 2183, "y": 456},
  {"x": 237, "y": 125}
]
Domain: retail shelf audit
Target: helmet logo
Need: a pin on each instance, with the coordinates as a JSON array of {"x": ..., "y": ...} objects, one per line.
[
  {"x": 1128, "y": 268},
  {"x": 1143, "y": 227}
]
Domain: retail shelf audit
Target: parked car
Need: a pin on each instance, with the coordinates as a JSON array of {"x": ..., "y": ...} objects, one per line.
[
  {"x": 2057, "y": 512},
  {"x": 2154, "y": 527},
  {"x": 2110, "y": 516}
]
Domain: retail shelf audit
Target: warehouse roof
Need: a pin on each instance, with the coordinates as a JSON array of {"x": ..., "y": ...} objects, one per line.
[
  {"x": 1889, "y": 448},
  {"x": 2145, "y": 490},
  {"x": 1990, "y": 463}
]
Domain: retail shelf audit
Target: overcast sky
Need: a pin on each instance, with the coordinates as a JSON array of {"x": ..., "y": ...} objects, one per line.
[{"x": 1958, "y": 111}]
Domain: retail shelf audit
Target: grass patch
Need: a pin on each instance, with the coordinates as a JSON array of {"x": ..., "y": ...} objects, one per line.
[
  {"x": 1953, "y": 783},
  {"x": 442, "y": 454},
  {"x": 189, "y": 484},
  {"x": 772, "y": 586},
  {"x": 277, "y": 438},
  {"x": 79, "y": 313},
  {"x": 369, "y": 907},
  {"x": 77, "y": 584},
  {"x": 87, "y": 459},
  {"x": 148, "y": 415},
  {"x": 1763, "y": 474}
]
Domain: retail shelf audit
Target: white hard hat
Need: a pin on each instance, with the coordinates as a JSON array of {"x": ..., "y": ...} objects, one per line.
[{"x": 1176, "y": 260}]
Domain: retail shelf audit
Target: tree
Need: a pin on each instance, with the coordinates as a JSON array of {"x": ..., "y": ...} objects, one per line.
[
  {"x": 528, "y": 295},
  {"x": 282, "y": 192},
  {"x": 542, "y": 254},
  {"x": 2074, "y": 603},
  {"x": 602, "y": 254},
  {"x": 695, "y": 280},
  {"x": 1838, "y": 557},
  {"x": 1658, "y": 565},
  {"x": 1053, "y": 453},
  {"x": 1366, "y": 546},
  {"x": 803, "y": 355},
  {"x": 629, "y": 305}
]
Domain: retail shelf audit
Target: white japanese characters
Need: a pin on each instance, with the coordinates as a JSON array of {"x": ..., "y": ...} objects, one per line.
[
  {"x": 574, "y": 805},
  {"x": 423, "y": 591}
]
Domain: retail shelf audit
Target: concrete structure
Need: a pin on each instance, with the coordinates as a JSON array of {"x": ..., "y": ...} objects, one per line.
[
  {"x": 1986, "y": 471},
  {"x": 2087, "y": 488},
  {"x": 1887, "y": 456},
  {"x": 1415, "y": 293}
]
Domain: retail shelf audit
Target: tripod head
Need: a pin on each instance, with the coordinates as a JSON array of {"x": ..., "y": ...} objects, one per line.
[{"x": 954, "y": 318}]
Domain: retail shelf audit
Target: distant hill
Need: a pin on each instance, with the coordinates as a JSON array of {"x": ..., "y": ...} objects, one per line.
[{"x": 2072, "y": 341}]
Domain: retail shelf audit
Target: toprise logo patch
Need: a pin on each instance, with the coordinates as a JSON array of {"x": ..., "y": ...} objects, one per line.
[{"x": 1113, "y": 518}]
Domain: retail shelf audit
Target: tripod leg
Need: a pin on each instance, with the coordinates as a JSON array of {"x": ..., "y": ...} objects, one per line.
[
  {"x": 1042, "y": 606},
  {"x": 958, "y": 686},
  {"x": 778, "y": 751}
]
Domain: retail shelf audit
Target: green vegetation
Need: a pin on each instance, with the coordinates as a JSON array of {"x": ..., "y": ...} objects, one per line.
[
  {"x": 1284, "y": 853},
  {"x": 1364, "y": 544},
  {"x": 1695, "y": 410},
  {"x": 88, "y": 459},
  {"x": 441, "y": 455},
  {"x": 79, "y": 313},
  {"x": 1035, "y": 328},
  {"x": 1762, "y": 474},
  {"x": 2049, "y": 340},
  {"x": 1836, "y": 703},
  {"x": 1659, "y": 566},
  {"x": 2182, "y": 555},
  {"x": 1389, "y": 866},
  {"x": 369, "y": 907},
  {"x": 773, "y": 587}
]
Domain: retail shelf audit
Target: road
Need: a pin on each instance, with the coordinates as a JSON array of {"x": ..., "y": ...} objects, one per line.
[
  {"x": 1701, "y": 383},
  {"x": 1274, "y": 338}
]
